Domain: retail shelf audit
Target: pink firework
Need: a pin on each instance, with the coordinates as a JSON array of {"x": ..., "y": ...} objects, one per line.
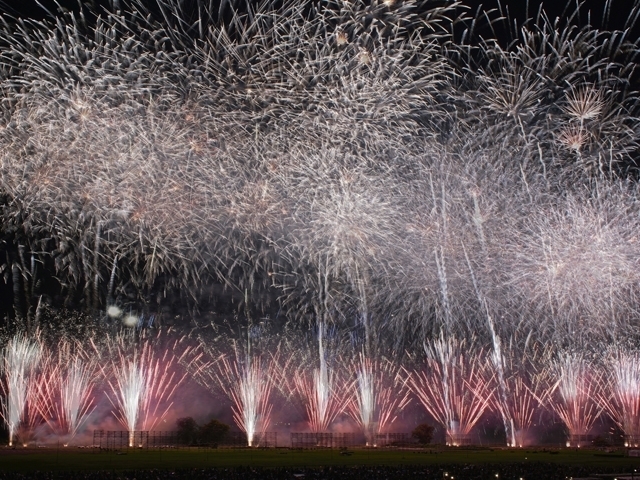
[
  {"x": 378, "y": 395},
  {"x": 20, "y": 360},
  {"x": 578, "y": 386},
  {"x": 66, "y": 390},
  {"x": 524, "y": 390},
  {"x": 455, "y": 387},
  {"x": 318, "y": 392},
  {"x": 142, "y": 379},
  {"x": 248, "y": 381},
  {"x": 316, "y": 387},
  {"x": 526, "y": 393},
  {"x": 620, "y": 397}
]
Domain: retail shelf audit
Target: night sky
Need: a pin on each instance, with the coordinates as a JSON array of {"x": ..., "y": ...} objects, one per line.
[{"x": 516, "y": 8}]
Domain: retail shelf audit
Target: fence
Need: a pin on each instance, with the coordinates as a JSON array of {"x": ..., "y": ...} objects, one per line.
[
  {"x": 323, "y": 440},
  {"x": 579, "y": 440},
  {"x": 395, "y": 440},
  {"x": 113, "y": 440},
  {"x": 260, "y": 439}
]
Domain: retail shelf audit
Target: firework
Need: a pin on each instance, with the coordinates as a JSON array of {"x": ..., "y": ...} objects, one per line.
[
  {"x": 620, "y": 396},
  {"x": 143, "y": 379},
  {"x": 577, "y": 389},
  {"x": 379, "y": 163},
  {"x": 524, "y": 387},
  {"x": 248, "y": 382},
  {"x": 378, "y": 396},
  {"x": 455, "y": 387},
  {"x": 66, "y": 389},
  {"x": 20, "y": 359},
  {"x": 320, "y": 393},
  {"x": 246, "y": 377}
]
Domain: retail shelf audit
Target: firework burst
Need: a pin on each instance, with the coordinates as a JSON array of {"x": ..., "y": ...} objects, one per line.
[
  {"x": 578, "y": 386},
  {"x": 620, "y": 396},
  {"x": 455, "y": 387},
  {"x": 66, "y": 389},
  {"x": 378, "y": 395},
  {"x": 20, "y": 359},
  {"x": 318, "y": 388},
  {"x": 142, "y": 380}
]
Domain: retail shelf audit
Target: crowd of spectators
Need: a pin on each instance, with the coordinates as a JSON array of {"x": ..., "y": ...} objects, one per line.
[{"x": 517, "y": 471}]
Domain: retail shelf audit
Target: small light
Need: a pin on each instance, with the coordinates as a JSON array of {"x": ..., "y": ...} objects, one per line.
[{"x": 130, "y": 320}]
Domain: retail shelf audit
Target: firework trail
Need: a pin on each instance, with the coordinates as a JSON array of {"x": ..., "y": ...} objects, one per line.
[
  {"x": 142, "y": 380},
  {"x": 248, "y": 382},
  {"x": 455, "y": 387},
  {"x": 578, "y": 387},
  {"x": 76, "y": 390},
  {"x": 245, "y": 376},
  {"x": 620, "y": 396},
  {"x": 527, "y": 386},
  {"x": 20, "y": 359},
  {"x": 378, "y": 395},
  {"x": 321, "y": 393},
  {"x": 66, "y": 389}
]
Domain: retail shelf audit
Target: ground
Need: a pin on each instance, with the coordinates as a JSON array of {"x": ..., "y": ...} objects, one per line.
[{"x": 68, "y": 459}]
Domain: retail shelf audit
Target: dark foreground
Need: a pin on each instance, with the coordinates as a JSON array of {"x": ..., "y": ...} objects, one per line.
[
  {"x": 538, "y": 471},
  {"x": 276, "y": 464}
]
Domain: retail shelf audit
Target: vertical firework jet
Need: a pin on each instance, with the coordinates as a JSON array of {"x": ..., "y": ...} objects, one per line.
[
  {"x": 378, "y": 395},
  {"x": 66, "y": 390},
  {"x": 76, "y": 390},
  {"x": 455, "y": 387},
  {"x": 130, "y": 392},
  {"x": 20, "y": 359},
  {"x": 526, "y": 387},
  {"x": 620, "y": 396},
  {"x": 248, "y": 381},
  {"x": 322, "y": 398},
  {"x": 578, "y": 386},
  {"x": 142, "y": 380}
]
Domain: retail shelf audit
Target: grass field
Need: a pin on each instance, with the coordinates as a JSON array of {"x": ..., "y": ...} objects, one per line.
[{"x": 68, "y": 459}]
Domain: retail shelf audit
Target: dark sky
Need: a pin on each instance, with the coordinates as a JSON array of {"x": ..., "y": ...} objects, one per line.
[
  {"x": 619, "y": 11},
  {"x": 592, "y": 12}
]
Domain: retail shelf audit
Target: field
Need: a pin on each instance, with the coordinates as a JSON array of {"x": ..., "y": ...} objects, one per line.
[{"x": 72, "y": 459}]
